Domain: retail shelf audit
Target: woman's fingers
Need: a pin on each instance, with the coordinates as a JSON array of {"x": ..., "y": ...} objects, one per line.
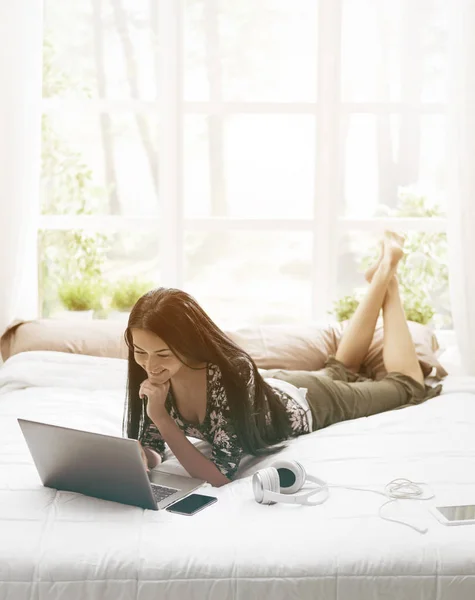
[
  {"x": 144, "y": 457},
  {"x": 142, "y": 393}
]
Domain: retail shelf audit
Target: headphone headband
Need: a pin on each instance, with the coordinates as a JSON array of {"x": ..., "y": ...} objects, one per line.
[
  {"x": 267, "y": 488},
  {"x": 300, "y": 498},
  {"x": 316, "y": 480}
]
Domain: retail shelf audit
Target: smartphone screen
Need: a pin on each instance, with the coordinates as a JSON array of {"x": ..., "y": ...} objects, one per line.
[
  {"x": 191, "y": 504},
  {"x": 458, "y": 513}
]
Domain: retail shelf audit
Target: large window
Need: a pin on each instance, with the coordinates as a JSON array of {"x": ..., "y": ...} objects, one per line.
[{"x": 248, "y": 152}]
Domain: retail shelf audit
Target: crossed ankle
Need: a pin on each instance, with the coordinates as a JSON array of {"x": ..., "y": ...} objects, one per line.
[{"x": 384, "y": 272}]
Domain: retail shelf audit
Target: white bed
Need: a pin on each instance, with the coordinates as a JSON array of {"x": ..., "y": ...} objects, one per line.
[{"x": 65, "y": 545}]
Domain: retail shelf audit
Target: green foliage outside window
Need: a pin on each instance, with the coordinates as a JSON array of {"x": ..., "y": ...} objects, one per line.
[
  {"x": 423, "y": 273},
  {"x": 80, "y": 294},
  {"x": 67, "y": 186},
  {"x": 126, "y": 292}
]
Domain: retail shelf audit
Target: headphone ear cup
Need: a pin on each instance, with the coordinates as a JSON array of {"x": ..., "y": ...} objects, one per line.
[
  {"x": 265, "y": 480},
  {"x": 302, "y": 475},
  {"x": 291, "y": 475}
]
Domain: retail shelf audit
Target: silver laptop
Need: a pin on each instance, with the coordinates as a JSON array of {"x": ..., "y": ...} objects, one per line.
[{"x": 102, "y": 466}]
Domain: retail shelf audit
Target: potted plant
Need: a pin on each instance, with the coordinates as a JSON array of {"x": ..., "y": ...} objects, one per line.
[
  {"x": 79, "y": 297},
  {"x": 416, "y": 306},
  {"x": 125, "y": 294},
  {"x": 344, "y": 308}
]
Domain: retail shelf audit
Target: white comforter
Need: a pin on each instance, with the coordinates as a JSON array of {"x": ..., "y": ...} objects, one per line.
[{"x": 66, "y": 545}]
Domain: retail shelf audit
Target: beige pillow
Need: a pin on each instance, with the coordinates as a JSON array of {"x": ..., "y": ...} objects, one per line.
[
  {"x": 308, "y": 346},
  {"x": 303, "y": 346},
  {"x": 94, "y": 337}
]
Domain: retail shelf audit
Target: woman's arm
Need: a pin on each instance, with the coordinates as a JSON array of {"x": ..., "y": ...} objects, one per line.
[
  {"x": 190, "y": 458},
  {"x": 153, "y": 457},
  {"x": 152, "y": 444}
]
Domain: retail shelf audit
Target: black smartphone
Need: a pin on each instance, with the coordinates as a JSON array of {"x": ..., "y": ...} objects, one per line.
[{"x": 191, "y": 504}]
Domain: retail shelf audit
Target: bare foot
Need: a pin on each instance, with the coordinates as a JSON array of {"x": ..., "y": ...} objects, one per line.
[
  {"x": 393, "y": 251},
  {"x": 394, "y": 236},
  {"x": 390, "y": 249}
]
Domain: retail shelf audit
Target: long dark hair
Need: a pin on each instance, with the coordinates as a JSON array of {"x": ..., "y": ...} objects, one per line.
[{"x": 184, "y": 326}]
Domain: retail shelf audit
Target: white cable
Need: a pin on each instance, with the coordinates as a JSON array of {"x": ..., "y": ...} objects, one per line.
[{"x": 397, "y": 489}]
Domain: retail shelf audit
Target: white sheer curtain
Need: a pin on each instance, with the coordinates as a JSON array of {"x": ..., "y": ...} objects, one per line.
[
  {"x": 461, "y": 203},
  {"x": 20, "y": 134}
]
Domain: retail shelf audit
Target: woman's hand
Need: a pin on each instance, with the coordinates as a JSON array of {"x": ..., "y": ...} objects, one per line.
[
  {"x": 144, "y": 457},
  {"x": 150, "y": 458},
  {"x": 156, "y": 395}
]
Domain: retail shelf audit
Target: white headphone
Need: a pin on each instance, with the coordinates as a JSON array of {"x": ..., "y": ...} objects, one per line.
[{"x": 281, "y": 481}]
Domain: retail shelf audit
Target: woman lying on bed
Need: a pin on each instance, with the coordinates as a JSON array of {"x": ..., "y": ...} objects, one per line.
[{"x": 187, "y": 378}]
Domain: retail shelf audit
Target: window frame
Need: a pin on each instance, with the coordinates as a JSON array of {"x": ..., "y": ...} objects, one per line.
[{"x": 326, "y": 225}]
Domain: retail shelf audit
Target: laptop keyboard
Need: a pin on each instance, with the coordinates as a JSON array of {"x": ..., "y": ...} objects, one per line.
[{"x": 160, "y": 492}]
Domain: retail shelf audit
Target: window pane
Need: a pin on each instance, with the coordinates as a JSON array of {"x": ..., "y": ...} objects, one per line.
[
  {"x": 256, "y": 166},
  {"x": 384, "y": 153},
  {"x": 99, "y": 163},
  {"x": 423, "y": 273},
  {"x": 394, "y": 51},
  {"x": 100, "y": 48},
  {"x": 248, "y": 50},
  {"x": 250, "y": 277},
  {"x": 97, "y": 258}
]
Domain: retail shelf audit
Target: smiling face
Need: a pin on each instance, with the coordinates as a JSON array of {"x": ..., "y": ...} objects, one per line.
[{"x": 154, "y": 356}]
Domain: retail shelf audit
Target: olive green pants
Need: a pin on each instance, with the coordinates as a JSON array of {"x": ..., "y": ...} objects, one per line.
[{"x": 335, "y": 393}]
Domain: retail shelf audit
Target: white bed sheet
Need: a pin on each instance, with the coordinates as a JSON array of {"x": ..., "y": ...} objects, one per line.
[{"x": 64, "y": 545}]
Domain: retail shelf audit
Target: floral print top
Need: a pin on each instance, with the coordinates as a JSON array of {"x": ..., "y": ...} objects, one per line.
[{"x": 218, "y": 428}]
